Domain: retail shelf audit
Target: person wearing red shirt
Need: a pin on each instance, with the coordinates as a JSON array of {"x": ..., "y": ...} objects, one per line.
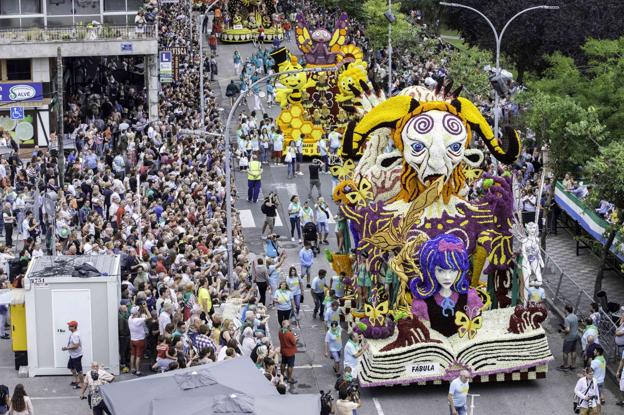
[{"x": 288, "y": 348}]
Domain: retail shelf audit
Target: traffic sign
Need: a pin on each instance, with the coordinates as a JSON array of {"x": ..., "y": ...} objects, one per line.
[{"x": 17, "y": 113}]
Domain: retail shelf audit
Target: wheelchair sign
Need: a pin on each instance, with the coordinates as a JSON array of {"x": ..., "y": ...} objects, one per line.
[{"x": 17, "y": 113}]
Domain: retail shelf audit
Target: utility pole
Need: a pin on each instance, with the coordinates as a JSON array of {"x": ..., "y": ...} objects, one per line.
[{"x": 60, "y": 128}]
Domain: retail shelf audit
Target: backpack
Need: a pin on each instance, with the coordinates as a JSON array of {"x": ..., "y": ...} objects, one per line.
[
  {"x": 326, "y": 403},
  {"x": 4, "y": 393}
]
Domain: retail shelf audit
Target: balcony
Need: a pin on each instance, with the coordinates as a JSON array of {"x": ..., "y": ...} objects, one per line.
[{"x": 102, "y": 40}]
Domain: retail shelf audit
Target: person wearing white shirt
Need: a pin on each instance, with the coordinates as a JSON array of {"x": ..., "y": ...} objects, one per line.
[
  {"x": 587, "y": 393},
  {"x": 136, "y": 323},
  {"x": 352, "y": 352},
  {"x": 164, "y": 318}
]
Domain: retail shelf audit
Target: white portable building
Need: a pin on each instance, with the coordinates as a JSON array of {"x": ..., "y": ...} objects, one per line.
[{"x": 55, "y": 295}]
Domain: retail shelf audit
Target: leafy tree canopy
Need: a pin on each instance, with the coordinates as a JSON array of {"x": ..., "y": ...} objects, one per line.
[{"x": 539, "y": 32}]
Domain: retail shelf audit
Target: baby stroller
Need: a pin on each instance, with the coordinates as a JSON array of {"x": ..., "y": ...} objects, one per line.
[{"x": 310, "y": 235}]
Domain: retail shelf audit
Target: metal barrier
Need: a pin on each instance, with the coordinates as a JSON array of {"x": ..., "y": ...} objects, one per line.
[
  {"x": 76, "y": 34},
  {"x": 560, "y": 289}
]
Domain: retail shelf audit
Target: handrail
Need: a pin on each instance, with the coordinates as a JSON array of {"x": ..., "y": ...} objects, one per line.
[{"x": 77, "y": 33}]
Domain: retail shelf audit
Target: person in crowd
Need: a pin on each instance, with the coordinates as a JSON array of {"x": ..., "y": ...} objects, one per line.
[
  {"x": 94, "y": 378},
  {"x": 136, "y": 323},
  {"x": 288, "y": 349},
  {"x": 322, "y": 215},
  {"x": 458, "y": 394},
  {"x": 599, "y": 366},
  {"x": 570, "y": 331},
  {"x": 306, "y": 260},
  {"x": 124, "y": 338},
  {"x": 285, "y": 303},
  {"x": 318, "y": 294},
  {"x": 353, "y": 350},
  {"x": 295, "y": 284},
  {"x": 587, "y": 393},
  {"x": 315, "y": 181},
  {"x": 269, "y": 208},
  {"x": 254, "y": 179},
  {"x": 294, "y": 214},
  {"x": 74, "y": 349},
  {"x": 333, "y": 344},
  {"x": 21, "y": 403}
]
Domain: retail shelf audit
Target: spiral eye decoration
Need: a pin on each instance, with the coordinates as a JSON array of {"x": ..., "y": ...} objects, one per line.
[
  {"x": 452, "y": 124},
  {"x": 421, "y": 124}
]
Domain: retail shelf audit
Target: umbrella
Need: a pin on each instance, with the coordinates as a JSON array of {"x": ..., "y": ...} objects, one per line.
[{"x": 193, "y": 390}]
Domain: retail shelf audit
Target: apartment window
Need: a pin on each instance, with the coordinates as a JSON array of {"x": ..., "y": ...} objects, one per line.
[
  {"x": 31, "y": 7},
  {"x": 114, "y": 5},
  {"x": 8, "y": 7},
  {"x": 18, "y": 69}
]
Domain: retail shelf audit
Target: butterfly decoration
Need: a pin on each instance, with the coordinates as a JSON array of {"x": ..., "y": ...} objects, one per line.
[
  {"x": 376, "y": 313},
  {"x": 472, "y": 174},
  {"x": 466, "y": 325},
  {"x": 360, "y": 195},
  {"x": 342, "y": 171}
]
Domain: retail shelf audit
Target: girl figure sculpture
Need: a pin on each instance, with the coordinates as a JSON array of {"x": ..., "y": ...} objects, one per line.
[{"x": 444, "y": 289}]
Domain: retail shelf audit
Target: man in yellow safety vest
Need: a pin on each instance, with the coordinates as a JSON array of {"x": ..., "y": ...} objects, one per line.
[{"x": 254, "y": 178}]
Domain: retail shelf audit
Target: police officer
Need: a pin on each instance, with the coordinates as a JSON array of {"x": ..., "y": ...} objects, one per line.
[{"x": 254, "y": 178}]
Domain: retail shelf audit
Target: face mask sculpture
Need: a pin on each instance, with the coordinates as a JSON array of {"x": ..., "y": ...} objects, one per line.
[{"x": 428, "y": 246}]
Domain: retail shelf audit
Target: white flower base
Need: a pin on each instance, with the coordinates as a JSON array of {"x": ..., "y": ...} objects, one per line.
[{"x": 493, "y": 354}]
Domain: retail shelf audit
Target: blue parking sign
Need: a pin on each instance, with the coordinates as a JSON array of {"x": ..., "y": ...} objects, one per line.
[{"x": 17, "y": 113}]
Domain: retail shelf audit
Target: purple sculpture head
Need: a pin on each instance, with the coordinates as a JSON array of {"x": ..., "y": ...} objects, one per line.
[{"x": 444, "y": 251}]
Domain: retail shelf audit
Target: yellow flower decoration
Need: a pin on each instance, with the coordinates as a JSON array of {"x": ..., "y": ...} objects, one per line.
[
  {"x": 376, "y": 314},
  {"x": 466, "y": 325}
]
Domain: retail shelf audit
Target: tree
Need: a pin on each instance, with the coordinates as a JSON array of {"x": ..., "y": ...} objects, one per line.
[
  {"x": 598, "y": 83},
  {"x": 539, "y": 32},
  {"x": 606, "y": 172},
  {"x": 570, "y": 132},
  {"x": 404, "y": 34},
  {"x": 465, "y": 67}
]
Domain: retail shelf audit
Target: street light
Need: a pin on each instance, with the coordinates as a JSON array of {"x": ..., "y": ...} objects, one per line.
[
  {"x": 228, "y": 156},
  {"x": 499, "y": 38},
  {"x": 200, "y": 24}
]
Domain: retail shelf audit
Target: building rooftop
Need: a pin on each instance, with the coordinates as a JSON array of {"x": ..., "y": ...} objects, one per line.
[{"x": 63, "y": 265}]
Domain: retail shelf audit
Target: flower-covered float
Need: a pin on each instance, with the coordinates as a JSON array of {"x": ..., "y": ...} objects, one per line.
[
  {"x": 314, "y": 104},
  {"x": 428, "y": 258},
  {"x": 248, "y": 18}
]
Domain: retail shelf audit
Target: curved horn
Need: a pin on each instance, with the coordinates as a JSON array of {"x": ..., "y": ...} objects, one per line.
[
  {"x": 474, "y": 117},
  {"x": 384, "y": 115}
]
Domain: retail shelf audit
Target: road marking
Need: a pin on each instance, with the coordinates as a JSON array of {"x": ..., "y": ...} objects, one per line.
[
  {"x": 291, "y": 188},
  {"x": 378, "y": 407},
  {"x": 45, "y": 398},
  {"x": 308, "y": 367},
  {"x": 278, "y": 221},
  {"x": 246, "y": 218}
]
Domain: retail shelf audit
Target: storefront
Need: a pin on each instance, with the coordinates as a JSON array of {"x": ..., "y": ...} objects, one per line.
[{"x": 24, "y": 112}]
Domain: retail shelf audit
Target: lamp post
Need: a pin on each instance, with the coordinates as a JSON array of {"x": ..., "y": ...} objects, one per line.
[
  {"x": 498, "y": 37},
  {"x": 228, "y": 156}
]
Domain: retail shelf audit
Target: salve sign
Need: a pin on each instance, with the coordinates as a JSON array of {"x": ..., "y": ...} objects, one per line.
[{"x": 23, "y": 91}]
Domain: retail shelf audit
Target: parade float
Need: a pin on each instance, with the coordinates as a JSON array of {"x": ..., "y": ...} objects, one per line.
[
  {"x": 433, "y": 271},
  {"x": 248, "y": 19},
  {"x": 314, "y": 104}
]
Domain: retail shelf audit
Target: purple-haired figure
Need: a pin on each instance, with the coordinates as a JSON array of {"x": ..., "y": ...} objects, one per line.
[{"x": 444, "y": 287}]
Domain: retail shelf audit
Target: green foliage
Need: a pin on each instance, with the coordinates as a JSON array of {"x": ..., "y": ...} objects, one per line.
[
  {"x": 465, "y": 68},
  {"x": 571, "y": 132},
  {"x": 599, "y": 84},
  {"x": 606, "y": 172},
  {"x": 404, "y": 34}
]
